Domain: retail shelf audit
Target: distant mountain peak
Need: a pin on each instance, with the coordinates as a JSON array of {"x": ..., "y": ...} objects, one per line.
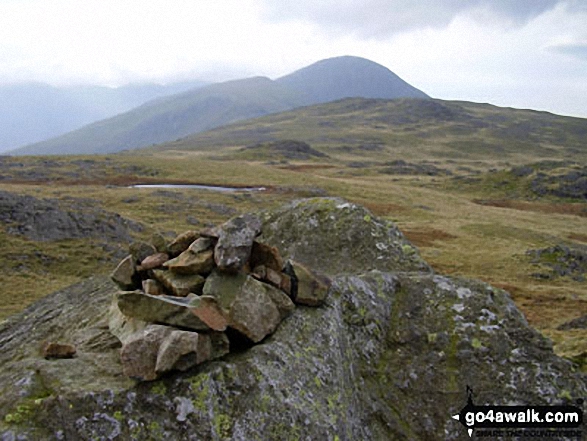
[{"x": 349, "y": 77}]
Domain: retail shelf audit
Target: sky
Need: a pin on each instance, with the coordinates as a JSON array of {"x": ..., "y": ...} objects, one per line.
[{"x": 514, "y": 53}]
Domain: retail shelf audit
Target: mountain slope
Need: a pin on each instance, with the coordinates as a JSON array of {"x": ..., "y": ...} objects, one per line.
[
  {"x": 346, "y": 77},
  {"x": 32, "y": 112},
  {"x": 408, "y": 128},
  {"x": 213, "y": 106},
  {"x": 172, "y": 117}
]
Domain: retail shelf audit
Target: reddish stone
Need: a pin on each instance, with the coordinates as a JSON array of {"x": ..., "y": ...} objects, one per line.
[{"x": 58, "y": 350}]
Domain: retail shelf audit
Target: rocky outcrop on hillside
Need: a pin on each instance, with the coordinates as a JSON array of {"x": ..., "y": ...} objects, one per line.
[
  {"x": 48, "y": 220},
  {"x": 389, "y": 355}
]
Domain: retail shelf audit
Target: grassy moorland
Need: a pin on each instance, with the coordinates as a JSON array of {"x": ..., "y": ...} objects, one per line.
[{"x": 471, "y": 211}]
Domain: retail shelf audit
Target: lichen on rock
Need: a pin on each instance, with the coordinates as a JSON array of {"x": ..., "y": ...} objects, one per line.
[{"x": 388, "y": 355}]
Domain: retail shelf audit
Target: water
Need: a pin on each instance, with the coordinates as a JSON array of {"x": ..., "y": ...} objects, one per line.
[{"x": 199, "y": 187}]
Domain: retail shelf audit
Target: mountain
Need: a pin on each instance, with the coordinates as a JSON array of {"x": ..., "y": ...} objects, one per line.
[
  {"x": 347, "y": 77},
  {"x": 198, "y": 110},
  {"x": 32, "y": 112}
]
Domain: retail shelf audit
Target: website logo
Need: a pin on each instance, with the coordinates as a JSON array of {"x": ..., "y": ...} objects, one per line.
[{"x": 521, "y": 421}]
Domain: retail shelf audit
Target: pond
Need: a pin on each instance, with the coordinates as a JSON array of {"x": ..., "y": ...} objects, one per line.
[{"x": 199, "y": 187}]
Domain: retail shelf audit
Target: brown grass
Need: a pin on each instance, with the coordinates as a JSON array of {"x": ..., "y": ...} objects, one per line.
[
  {"x": 574, "y": 209},
  {"x": 427, "y": 237},
  {"x": 578, "y": 237}
]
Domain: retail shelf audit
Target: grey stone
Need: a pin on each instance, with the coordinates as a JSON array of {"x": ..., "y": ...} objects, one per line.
[
  {"x": 235, "y": 242},
  {"x": 180, "y": 284},
  {"x": 124, "y": 274},
  {"x": 189, "y": 262},
  {"x": 162, "y": 309}
]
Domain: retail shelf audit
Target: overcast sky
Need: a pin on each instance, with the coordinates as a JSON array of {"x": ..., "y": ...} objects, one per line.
[{"x": 519, "y": 53}]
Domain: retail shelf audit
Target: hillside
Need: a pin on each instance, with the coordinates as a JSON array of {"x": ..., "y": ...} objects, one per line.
[
  {"x": 407, "y": 128},
  {"x": 33, "y": 112},
  {"x": 195, "y": 111}
]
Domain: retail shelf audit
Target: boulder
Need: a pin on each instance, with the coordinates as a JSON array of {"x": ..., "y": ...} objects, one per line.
[
  {"x": 235, "y": 240},
  {"x": 124, "y": 274},
  {"x": 207, "y": 309},
  {"x": 333, "y": 236},
  {"x": 251, "y": 307},
  {"x": 162, "y": 309},
  {"x": 139, "y": 354},
  {"x": 189, "y": 262},
  {"x": 388, "y": 356},
  {"x": 180, "y": 284}
]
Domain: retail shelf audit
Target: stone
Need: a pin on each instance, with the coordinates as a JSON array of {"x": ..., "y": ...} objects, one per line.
[
  {"x": 235, "y": 242},
  {"x": 159, "y": 349},
  {"x": 182, "y": 350},
  {"x": 311, "y": 288},
  {"x": 162, "y": 309},
  {"x": 153, "y": 287},
  {"x": 153, "y": 261},
  {"x": 277, "y": 279},
  {"x": 141, "y": 250},
  {"x": 57, "y": 350},
  {"x": 253, "y": 308},
  {"x": 265, "y": 255},
  {"x": 182, "y": 242},
  {"x": 139, "y": 355},
  {"x": 202, "y": 244},
  {"x": 189, "y": 262},
  {"x": 207, "y": 309},
  {"x": 180, "y": 284},
  {"x": 124, "y": 274}
]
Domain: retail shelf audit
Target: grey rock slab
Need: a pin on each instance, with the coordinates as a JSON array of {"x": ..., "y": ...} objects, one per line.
[{"x": 162, "y": 309}]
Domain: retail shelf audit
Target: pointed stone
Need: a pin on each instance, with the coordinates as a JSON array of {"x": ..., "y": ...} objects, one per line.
[
  {"x": 202, "y": 244},
  {"x": 179, "y": 284},
  {"x": 235, "y": 242},
  {"x": 124, "y": 274},
  {"x": 168, "y": 310}
]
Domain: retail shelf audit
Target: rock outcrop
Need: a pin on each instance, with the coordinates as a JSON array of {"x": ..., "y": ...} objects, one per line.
[{"x": 388, "y": 355}]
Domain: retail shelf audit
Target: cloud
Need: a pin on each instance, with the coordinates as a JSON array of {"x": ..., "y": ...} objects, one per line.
[
  {"x": 381, "y": 18},
  {"x": 575, "y": 50}
]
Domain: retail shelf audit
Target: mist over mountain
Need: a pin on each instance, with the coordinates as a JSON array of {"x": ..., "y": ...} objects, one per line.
[
  {"x": 32, "y": 112},
  {"x": 173, "y": 117}
]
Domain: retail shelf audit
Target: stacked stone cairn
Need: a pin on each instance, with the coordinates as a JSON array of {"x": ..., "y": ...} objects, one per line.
[{"x": 188, "y": 301}]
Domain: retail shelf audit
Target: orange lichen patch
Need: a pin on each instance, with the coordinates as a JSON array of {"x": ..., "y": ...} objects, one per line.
[
  {"x": 427, "y": 237},
  {"x": 578, "y": 237},
  {"x": 574, "y": 209},
  {"x": 383, "y": 209}
]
